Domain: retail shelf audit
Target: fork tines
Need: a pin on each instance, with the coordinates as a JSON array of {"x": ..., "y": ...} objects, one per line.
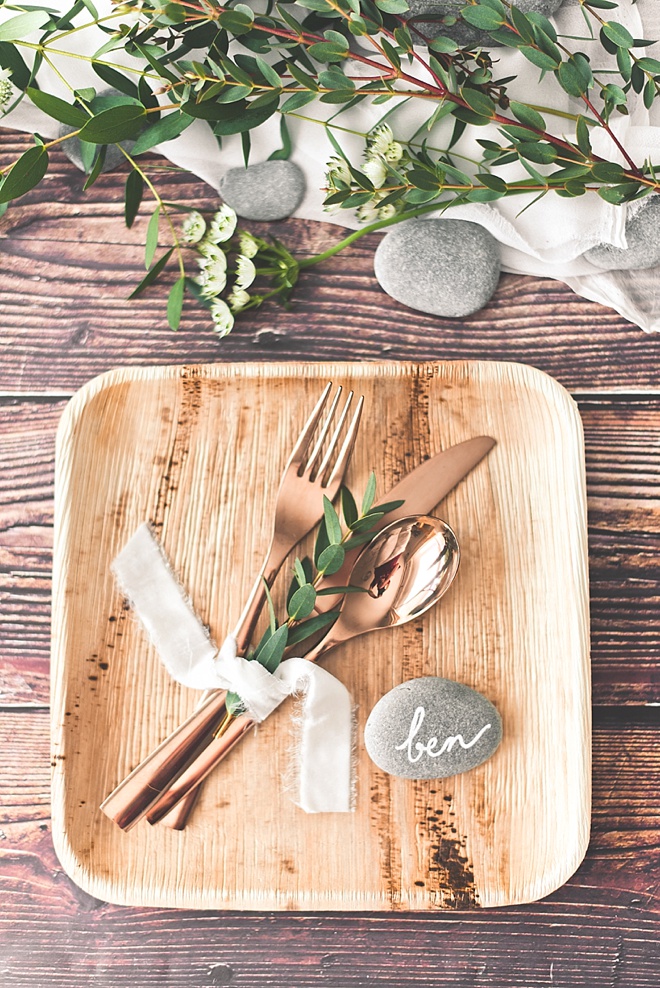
[{"x": 319, "y": 462}]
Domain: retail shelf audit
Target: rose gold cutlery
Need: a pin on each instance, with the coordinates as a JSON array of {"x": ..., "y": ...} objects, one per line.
[
  {"x": 421, "y": 489},
  {"x": 139, "y": 795},
  {"x": 406, "y": 568},
  {"x": 315, "y": 468}
]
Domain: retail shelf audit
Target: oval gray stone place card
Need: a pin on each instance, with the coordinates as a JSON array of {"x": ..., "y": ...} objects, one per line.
[{"x": 431, "y": 728}]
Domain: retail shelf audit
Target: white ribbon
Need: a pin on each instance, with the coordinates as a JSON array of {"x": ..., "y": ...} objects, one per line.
[{"x": 325, "y": 750}]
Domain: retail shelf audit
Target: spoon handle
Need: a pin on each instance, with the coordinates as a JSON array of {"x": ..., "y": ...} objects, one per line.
[{"x": 187, "y": 783}]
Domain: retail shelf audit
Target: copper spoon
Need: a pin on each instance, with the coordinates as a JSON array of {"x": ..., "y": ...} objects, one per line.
[{"x": 403, "y": 571}]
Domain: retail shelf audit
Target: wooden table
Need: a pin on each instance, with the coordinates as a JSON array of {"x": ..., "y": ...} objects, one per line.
[{"x": 67, "y": 264}]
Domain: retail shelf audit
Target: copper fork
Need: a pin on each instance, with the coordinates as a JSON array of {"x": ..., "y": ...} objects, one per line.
[{"x": 309, "y": 474}]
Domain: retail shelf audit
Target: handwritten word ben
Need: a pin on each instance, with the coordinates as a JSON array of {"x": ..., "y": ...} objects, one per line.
[{"x": 430, "y": 747}]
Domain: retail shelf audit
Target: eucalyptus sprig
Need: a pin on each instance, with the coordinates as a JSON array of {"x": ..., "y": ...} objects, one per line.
[
  {"x": 333, "y": 540},
  {"x": 232, "y": 67}
]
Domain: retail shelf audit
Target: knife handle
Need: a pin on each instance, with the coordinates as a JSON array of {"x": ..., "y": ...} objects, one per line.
[{"x": 134, "y": 797}]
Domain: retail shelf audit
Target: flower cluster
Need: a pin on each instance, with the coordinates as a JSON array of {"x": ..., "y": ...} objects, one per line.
[
  {"x": 225, "y": 253},
  {"x": 382, "y": 155},
  {"x": 214, "y": 245}
]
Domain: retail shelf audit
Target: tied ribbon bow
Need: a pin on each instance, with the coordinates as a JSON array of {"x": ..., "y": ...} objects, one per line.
[{"x": 324, "y": 752}]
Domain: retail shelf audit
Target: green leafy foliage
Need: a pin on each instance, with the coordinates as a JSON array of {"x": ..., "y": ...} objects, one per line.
[
  {"x": 234, "y": 69},
  {"x": 175, "y": 302}
]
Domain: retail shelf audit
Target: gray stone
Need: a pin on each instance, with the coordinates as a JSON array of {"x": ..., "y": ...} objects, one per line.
[
  {"x": 431, "y": 728},
  {"x": 271, "y": 190},
  {"x": 465, "y": 34},
  {"x": 445, "y": 267},
  {"x": 643, "y": 236},
  {"x": 73, "y": 151}
]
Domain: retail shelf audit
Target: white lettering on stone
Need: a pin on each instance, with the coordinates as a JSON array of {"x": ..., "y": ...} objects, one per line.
[{"x": 432, "y": 743}]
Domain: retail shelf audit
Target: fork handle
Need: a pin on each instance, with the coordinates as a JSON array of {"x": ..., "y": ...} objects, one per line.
[
  {"x": 134, "y": 797},
  {"x": 247, "y": 622},
  {"x": 184, "y": 789},
  {"x": 178, "y": 814}
]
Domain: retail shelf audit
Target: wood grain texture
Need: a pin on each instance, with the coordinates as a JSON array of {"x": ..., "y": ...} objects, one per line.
[
  {"x": 599, "y": 929},
  {"x": 145, "y": 445},
  {"x": 68, "y": 263},
  {"x": 623, "y": 475},
  {"x": 602, "y": 928}
]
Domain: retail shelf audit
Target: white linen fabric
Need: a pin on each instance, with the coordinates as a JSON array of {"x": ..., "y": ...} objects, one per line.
[
  {"x": 548, "y": 239},
  {"x": 324, "y": 751}
]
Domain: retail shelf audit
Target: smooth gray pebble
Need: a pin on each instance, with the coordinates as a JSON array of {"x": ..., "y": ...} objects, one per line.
[
  {"x": 444, "y": 267},
  {"x": 643, "y": 236},
  {"x": 432, "y": 728},
  {"x": 271, "y": 190}
]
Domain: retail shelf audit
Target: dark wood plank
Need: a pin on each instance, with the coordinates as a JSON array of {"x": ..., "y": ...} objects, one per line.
[
  {"x": 622, "y": 438},
  {"x": 68, "y": 263},
  {"x": 623, "y": 468},
  {"x": 600, "y": 929},
  {"x": 27, "y": 454}
]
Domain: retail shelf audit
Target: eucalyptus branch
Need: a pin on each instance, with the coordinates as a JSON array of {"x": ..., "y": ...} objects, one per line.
[{"x": 234, "y": 69}]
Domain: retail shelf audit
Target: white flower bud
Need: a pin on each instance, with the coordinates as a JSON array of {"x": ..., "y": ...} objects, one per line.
[
  {"x": 193, "y": 227},
  {"x": 212, "y": 277},
  {"x": 245, "y": 272},
  {"x": 247, "y": 244},
  {"x": 337, "y": 171},
  {"x": 380, "y": 139},
  {"x": 238, "y": 298},
  {"x": 223, "y": 320},
  {"x": 6, "y": 88},
  {"x": 376, "y": 171},
  {"x": 394, "y": 152},
  {"x": 223, "y": 224}
]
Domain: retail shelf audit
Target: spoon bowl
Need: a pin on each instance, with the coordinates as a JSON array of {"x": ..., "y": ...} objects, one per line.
[{"x": 406, "y": 568}]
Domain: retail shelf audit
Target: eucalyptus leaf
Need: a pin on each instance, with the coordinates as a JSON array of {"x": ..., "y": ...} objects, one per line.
[
  {"x": 348, "y": 507},
  {"x": 321, "y": 543},
  {"x": 302, "y": 602},
  {"x": 618, "y": 34},
  {"x": 151, "y": 242},
  {"x": 300, "y": 632},
  {"x": 167, "y": 129},
  {"x": 133, "y": 196},
  {"x": 386, "y": 506},
  {"x": 369, "y": 493},
  {"x": 331, "y": 559},
  {"x": 25, "y": 173},
  {"x": 17, "y": 28},
  {"x": 302, "y": 577},
  {"x": 270, "y": 655},
  {"x": 152, "y": 274},
  {"x": 119, "y": 123},
  {"x": 366, "y": 522},
  {"x": 175, "y": 302},
  {"x": 58, "y": 108},
  {"x": 332, "y": 523}
]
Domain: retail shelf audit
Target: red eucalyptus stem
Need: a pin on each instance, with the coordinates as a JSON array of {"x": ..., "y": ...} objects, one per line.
[{"x": 438, "y": 90}]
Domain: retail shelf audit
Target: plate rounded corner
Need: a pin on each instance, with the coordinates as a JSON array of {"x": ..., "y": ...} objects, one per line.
[
  {"x": 542, "y": 381},
  {"x": 75, "y": 868},
  {"x": 82, "y": 398}
]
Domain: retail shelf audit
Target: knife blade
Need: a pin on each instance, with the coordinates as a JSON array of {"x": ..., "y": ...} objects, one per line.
[{"x": 421, "y": 490}]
